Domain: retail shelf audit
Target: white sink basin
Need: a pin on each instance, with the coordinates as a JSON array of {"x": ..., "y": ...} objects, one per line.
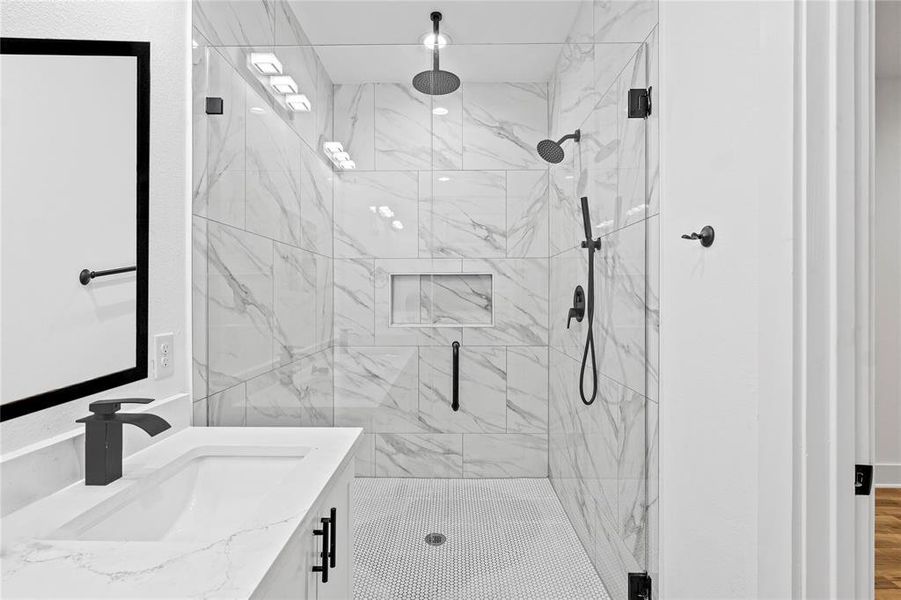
[{"x": 204, "y": 494}]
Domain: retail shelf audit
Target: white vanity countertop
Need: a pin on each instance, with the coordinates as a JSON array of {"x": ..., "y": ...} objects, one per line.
[{"x": 36, "y": 565}]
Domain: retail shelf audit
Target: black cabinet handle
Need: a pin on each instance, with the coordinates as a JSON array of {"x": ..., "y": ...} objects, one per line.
[
  {"x": 455, "y": 403},
  {"x": 333, "y": 539},
  {"x": 323, "y": 555}
]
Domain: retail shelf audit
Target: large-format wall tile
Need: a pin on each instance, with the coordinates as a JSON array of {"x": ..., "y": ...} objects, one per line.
[
  {"x": 295, "y": 289},
  {"x": 567, "y": 270},
  {"x": 368, "y": 209},
  {"x": 385, "y": 333},
  {"x": 564, "y": 212},
  {"x": 325, "y": 107},
  {"x": 199, "y": 300},
  {"x": 403, "y": 136},
  {"x": 377, "y": 389},
  {"x": 316, "y": 214},
  {"x": 288, "y": 30},
  {"x": 462, "y": 213},
  {"x": 652, "y": 302},
  {"x": 325, "y": 301},
  {"x": 653, "y": 125},
  {"x": 620, "y": 308},
  {"x": 423, "y": 455},
  {"x": 598, "y": 176},
  {"x": 199, "y": 413},
  {"x": 302, "y": 63},
  {"x": 617, "y": 21},
  {"x": 226, "y": 408},
  {"x": 240, "y": 311},
  {"x": 225, "y": 160},
  {"x": 199, "y": 133},
  {"x": 354, "y": 302},
  {"x": 355, "y": 124},
  {"x": 653, "y": 509},
  {"x": 482, "y": 391},
  {"x": 520, "y": 302},
  {"x": 574, "y": 88},
  {"x": 364, "y": 461},
  {"x": 273, "y": 205},
  {"x": 447, "y": 130},
  {"x": 271, "y": 144},
  {"x": 453, "y": 299},
  {"x": 295, "y": 395},
  {"x": 527, "y": 214},
  {"x": 527, "y": 389},
  {"x": 504, "y": 455},
  {"x": 236, "y": 22},
  {"x": 502, "y": 123}
]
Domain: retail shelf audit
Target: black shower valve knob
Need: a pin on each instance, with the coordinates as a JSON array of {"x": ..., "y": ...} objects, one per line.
[{"x": 706, "y": 236}]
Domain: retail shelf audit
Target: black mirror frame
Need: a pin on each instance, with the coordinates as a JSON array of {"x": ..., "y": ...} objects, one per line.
[{"x": 141, "y": 51}]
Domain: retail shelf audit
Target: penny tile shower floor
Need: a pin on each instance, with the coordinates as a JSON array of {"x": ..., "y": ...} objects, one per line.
[{"x": 506, "y": 538}]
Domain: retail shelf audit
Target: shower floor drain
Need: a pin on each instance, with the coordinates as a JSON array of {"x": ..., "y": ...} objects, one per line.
[{"x": 435, "y": 539}]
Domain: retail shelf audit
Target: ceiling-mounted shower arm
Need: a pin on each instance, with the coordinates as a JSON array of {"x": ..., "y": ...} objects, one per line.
[{"x": 436, "y": 17}]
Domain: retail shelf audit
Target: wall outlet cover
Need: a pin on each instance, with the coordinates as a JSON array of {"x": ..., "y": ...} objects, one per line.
[{"x": 164, "y": 361}]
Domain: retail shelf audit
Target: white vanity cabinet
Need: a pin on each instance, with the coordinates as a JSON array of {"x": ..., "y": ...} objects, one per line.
[{"x": 292, "y": 575}]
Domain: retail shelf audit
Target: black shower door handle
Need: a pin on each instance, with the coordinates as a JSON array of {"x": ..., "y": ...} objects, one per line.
[{"x": 455, "y": 403}]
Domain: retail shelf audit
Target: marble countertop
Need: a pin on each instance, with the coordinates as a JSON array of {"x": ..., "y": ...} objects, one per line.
[{"x": 36, "y": 565}]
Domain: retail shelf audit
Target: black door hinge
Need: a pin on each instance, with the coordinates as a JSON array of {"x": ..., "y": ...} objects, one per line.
[
  {"x": 639, "y": 103},
  {"x": 863, "y": 480},
  {"x": 639, "y": 586}
]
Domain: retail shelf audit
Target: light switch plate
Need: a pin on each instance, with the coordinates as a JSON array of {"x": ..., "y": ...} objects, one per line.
[{"x": 164, "y": 355}]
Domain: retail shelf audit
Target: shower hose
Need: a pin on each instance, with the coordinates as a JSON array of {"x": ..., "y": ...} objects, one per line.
[{"x": 589, "y": 338}]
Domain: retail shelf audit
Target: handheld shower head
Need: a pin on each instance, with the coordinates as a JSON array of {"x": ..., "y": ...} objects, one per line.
[
  {"x": 586, "y": 218},
  {"x": 552, "y": 151}
]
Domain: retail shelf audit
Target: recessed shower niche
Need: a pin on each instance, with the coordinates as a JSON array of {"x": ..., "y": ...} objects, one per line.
[{"x": 441, "y": 300}]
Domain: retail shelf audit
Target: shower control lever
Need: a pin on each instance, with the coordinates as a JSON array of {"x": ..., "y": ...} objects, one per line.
[
  {"x": 706, "y": 236},
  {"x": 577, "y": 311}
]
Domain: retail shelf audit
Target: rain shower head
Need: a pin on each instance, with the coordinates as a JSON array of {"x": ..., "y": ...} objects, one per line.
[
  {"x": 552, "y": 151},
  {"x": 436, "y": 82}
]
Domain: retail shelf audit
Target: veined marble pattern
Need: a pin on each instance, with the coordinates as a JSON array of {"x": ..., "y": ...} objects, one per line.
[
  {"x": 653, "y": 125},
  {"x": 325, "y": 103},
  {"x": 354, "y": 302},
  {"x": 620, "y": 308},
  {"x": 199, "y": 300},
  {"x": 508, "y": 455},
  {"x": 240, "y": 310},
  {"x": 631, "y": 132},
  {"x": 483, "y": 390},
  {"x": 463, "y": 299},
  {"x": 364, "y": 461},
  {"x": 462, "y": 213},
  {"x": 225, "y": 158},
  {"x": 567, "y": 270},
  {"x": 403, "y": 136},
  {"x": 617, "y": 21},
  {"x": 361, "y": 230},
  {"x": 236, "y": 22},
  {"x": 564, "y": 211},
  {"x": 502, "y": 122},
  {"x": 273, "y": 205},
  {"x": 317, "y": 210},
  {"x": 447, "y": 131},
  {"x": 377, "y": 388},
  {"x": 652, "y": 302},
  {"x": 355, "y": 123},
  {"x": 574, "y": 88},
  {"x": 419, "y": 455},
  {"x": 295, "y": 292},
  {"x": 527, "y": 389},
  {"x": 271, "y": 144},
  {"x": 199, "y": 413},
  {"x": 298, "y": 394},
  {"x": 527, "y": 214},
  {"x": 325, "y": 301},
  {"x": 199, "y": 133},
  {"x": 520, "y": 302}
]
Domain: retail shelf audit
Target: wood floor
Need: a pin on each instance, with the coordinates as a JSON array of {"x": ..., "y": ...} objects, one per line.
[{"x": 888, "y": 544}]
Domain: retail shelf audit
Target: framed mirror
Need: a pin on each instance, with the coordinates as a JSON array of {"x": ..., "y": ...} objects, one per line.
[{"x": 74, "y": 210}]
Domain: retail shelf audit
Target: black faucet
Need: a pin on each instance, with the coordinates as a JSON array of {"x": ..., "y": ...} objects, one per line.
[{"x": 103, "y": 437}]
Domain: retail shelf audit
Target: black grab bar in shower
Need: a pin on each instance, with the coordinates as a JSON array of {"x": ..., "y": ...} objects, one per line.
[{"x": 455, "y": 403}]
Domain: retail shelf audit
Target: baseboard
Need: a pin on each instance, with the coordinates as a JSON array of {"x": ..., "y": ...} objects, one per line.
[{"x": 887, "y": 475}]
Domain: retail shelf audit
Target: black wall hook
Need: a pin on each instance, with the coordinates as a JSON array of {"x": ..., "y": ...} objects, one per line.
[{"x": 706, "y": 236}]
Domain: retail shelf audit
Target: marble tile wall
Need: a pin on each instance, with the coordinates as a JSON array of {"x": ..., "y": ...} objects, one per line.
[
  {"x": 262, "y": 235},
  {"x": 458, "y": 193},
  {"x": 603, "y": 458}
]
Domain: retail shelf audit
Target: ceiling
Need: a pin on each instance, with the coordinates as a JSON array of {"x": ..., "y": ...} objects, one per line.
[
  {"x": 342, "y": 22},
  {"x": 888, "y": 38},
  {"x": 491, "y": 40}
]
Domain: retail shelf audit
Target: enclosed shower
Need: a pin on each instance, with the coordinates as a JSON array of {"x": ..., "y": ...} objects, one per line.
[{"x": 402, "y": 250}]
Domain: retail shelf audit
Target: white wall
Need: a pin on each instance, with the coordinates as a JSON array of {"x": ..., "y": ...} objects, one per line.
[
  {"x": 887, "y": 280},
  {"x": 166, "y": 26},
  {"x": 726, "y": 103}
]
